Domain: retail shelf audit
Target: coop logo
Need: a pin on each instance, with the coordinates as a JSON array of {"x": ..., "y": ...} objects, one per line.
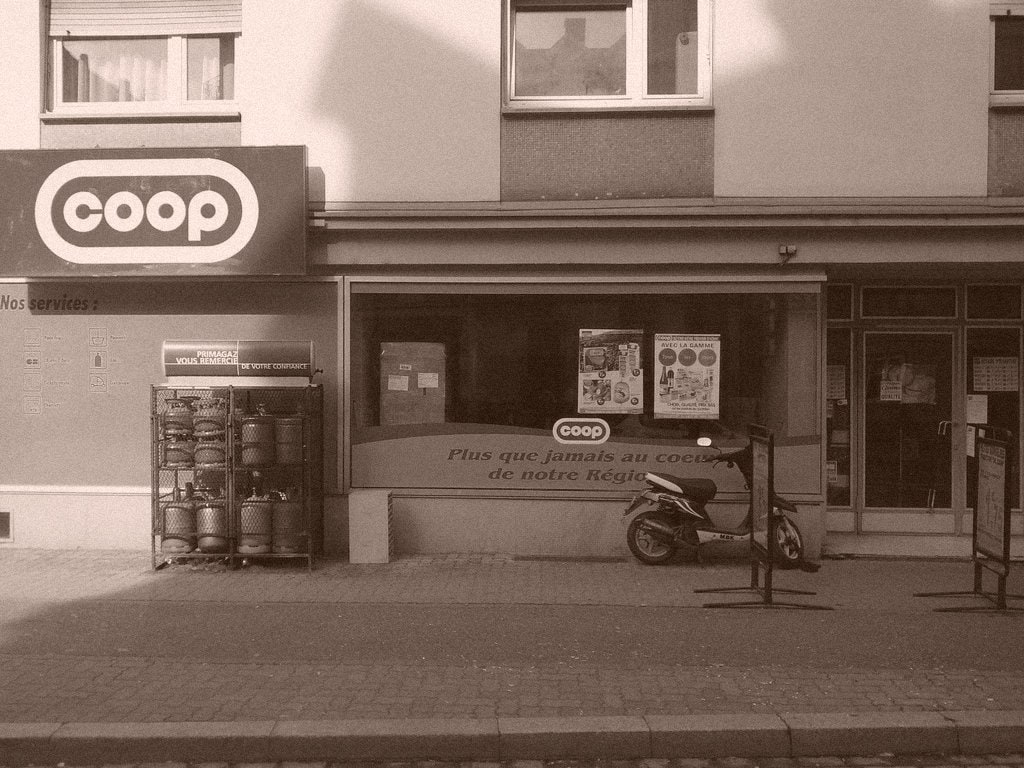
[
  {"x": 146, "y": 211},
  {"x": 573, "y": 431}
]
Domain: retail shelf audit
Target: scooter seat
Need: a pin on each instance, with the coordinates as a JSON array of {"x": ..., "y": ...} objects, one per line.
[{"x": 696, "y": 488}]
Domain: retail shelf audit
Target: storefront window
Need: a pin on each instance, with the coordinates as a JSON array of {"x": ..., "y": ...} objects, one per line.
[
  {"x": 463, "y": 390},
  {"x": 837, "y": 393},
  {"x": 993, "y": 396},
  {"x": 908, "y": 407}
]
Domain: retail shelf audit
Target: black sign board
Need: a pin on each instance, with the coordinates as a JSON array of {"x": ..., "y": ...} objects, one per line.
[
  {"x": 990, "y": 542},
  {"x": 153, "y": 212},
  {"x": 991, "y": 521},
  {"x": 763, "y": 530},
  {"x": 762, "y": 483},
  {"x": 238, "y": 358}
]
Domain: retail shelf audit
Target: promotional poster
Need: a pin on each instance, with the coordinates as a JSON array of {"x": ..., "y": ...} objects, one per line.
[
  {"x": 611, "y": 378},
  {"x": 688, "y": 367}
]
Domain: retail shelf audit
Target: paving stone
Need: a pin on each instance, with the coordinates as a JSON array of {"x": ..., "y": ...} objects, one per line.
[{"x": 114, "y": 688}]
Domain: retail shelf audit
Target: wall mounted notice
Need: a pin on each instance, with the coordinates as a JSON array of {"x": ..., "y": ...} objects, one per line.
[
  {"x": 238, "y": 358},
  {"x": 995, "y": 374},
  {"x": 977, "y": 409},
  {"x": 611, "y": 378},
  {"x": 836, "y": 382},
  {"x": 688, "y": 367}
]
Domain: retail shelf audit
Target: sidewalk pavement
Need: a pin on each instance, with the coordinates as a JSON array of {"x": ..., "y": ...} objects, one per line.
[{"x": 83, "y": 707}]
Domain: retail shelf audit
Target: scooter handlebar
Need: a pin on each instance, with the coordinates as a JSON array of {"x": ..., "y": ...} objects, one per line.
[{"x": 741, "y": 459}]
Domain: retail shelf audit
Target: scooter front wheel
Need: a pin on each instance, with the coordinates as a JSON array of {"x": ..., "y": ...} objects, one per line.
[
  {"x": 788, "y": 547},
  {"x": 650, "y": 545}
]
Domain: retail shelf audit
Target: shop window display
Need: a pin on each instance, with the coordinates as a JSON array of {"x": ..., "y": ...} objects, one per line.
[
  {"x": 993, "y": 386},
  {"x": 837, "y": 393},
  {"x": 485, "y": 376},
  {"x": 908, "y": 421}
]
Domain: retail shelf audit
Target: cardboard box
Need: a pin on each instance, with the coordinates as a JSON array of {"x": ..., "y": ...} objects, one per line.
[{"x": 412, "y": 383}]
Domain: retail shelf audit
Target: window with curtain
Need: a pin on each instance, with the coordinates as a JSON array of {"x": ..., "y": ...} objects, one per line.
[
  {"x": 608, "y": 53},
  {"x": 142, "y": 55}
]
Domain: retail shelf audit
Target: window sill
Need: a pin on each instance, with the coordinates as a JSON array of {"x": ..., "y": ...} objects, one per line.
[
  {"x": 509, "y": 109},
  {"x": 168, "y": 115},
  {"x": 1005, "y": 101}
]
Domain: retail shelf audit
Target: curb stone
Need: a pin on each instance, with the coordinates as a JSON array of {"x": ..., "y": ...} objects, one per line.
[
  {"x": 791, "y": 735},
  {"x": 871, "y": 733},
  {"x": 566, "y": 738},
  {"x": 718, "y": 736},
  {"x": 984, "y": 732}
]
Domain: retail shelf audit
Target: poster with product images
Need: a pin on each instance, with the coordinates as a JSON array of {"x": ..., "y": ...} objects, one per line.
[
  {"x": 688, "y": 367},
  {"x": 909, "y": 383},
  {"x": 611, "y": 378}
]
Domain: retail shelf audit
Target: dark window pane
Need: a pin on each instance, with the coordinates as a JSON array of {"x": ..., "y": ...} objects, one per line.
[
  {"x": 993, "y": 302},
  {"x": 993, "y": 375},
  {"x": 895, "y": 301},
  {"x": 838, "y": 417},
  {"x": 1009, "y": 54},
  {"x": 840, "y": 302}
]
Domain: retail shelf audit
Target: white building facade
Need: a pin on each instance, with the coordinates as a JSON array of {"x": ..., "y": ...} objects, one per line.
[{"x": 834, "y": 192}]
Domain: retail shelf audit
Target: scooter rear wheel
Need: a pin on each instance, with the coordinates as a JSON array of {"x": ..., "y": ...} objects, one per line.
[
  {"x": 788, "y": 547},
  {"x": 647, "y": 546}
]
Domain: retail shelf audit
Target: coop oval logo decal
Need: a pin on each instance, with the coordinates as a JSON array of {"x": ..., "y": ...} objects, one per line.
[
  {"x": 146, "y": 211},
  {"x": 574, "y": 431}
]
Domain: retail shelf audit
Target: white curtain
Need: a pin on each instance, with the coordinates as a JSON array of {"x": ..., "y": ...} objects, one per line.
[{"x": 109, "y": 70}]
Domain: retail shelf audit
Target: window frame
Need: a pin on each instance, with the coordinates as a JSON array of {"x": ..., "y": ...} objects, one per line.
[
  {"x": 1001, "y": 10},
  {"x": 176, "y": 101},
  {"x": 636, "y": 96}
]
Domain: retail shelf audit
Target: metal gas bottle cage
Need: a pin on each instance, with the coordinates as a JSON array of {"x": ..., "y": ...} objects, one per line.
[
  {"x": 762, "y": 531},
  {"x": 990, "y": 538},
  {"x": 210, "y": 474}
]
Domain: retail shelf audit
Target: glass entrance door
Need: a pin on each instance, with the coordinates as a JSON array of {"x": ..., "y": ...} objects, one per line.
[{"x": 908, "y": 396}]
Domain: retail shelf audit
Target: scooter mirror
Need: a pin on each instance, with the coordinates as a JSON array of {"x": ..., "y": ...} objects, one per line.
[{"x": 704, "y": 442}]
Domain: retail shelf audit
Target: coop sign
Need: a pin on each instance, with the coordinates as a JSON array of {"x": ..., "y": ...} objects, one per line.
[
  {"x": 98, "y": 221},
  {"x": 573, "y": 431},
  {"x": 209, "y": 210}
]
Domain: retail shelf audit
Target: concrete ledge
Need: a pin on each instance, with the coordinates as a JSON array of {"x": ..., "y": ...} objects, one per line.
[
  {"x": 983, "y": 732},
  {"x": 25, "y": 743},
  {"x": 98, "y": 743},
  {"x": 492, "y": 739},
  {"x": 718, "y": 736},
  {"x": 381, "y": 740},
  {"x": 870, "y": 733},
  {"x": 563, "y": 738}
]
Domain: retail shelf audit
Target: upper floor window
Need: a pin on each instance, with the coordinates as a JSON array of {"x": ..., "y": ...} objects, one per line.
[
  {"x": 142, "y": 57},
  {"x": 608, "y": 53},
  {"x": 1007, "y": 52}
]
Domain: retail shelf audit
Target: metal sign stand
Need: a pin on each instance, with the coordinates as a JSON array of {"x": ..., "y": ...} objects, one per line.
[
  {"x": 990, "y": 548},
  {"x": 762, "y": 531}
]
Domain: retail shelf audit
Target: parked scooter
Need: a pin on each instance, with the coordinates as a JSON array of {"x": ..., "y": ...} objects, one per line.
[{"x": 676, "y": 515}]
